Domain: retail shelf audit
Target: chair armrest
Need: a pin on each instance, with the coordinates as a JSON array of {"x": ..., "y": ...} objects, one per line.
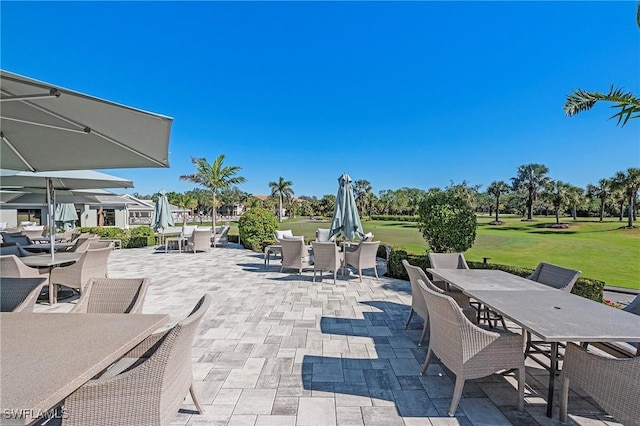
[{"x": 147, "y": 346}]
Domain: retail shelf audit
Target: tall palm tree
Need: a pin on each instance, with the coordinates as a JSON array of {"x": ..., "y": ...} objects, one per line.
[
  {"x": 362, "y": 188},
  {"x": 496, "y": 189},
  {"x": 575, "y": 197},
  {"x": 281, "y": 189},
  {"x": 531, "y": 177},
  {"x": 183, "y": 201},
  {"x": 214, "y": 177},
  {"x": 556, "y": 192},
  {"x": 602, "y": 192},
  {"x": 629, "y": 182}
]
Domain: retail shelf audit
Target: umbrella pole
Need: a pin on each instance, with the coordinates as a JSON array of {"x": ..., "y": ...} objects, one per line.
[{"x": 50, "y": 201}]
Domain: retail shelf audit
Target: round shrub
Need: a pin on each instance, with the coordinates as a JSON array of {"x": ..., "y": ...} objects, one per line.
[{"x": 256, "y": 228}]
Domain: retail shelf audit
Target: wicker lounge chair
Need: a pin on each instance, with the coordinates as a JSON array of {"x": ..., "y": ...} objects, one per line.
[
  {"x": 326, "y": 257},
  {"x": 92, "y": 264},
  {"x": 33, "y": 231},
  {"x": 613, "y": 383},
  {"x": 20, "y": 294},
  {"x": 113, "y": 296},
  {"x": 467, "y": 350},
  {"x": 152, "y": 390},
  {"x": 200, "y": 240},
  {"x": 295, "y": 255},
  {"x": 419, "y": 305},
  {"x": 364, "y": 257}
]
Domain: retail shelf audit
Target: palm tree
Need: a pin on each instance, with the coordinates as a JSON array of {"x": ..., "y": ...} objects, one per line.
[
  {"x": 498, "y": 188},
  {"x": 629, "y": 105},
  {"x": 214, "y": 177},
  {"x": 531, "y": 177},
  {"x": 183, "y": 201},
  {"x": 281, "y": 189},
  {"x": 629, "y": 182},
  {"x": 556, "y": 192},
  {"x": 575, "y": 197},
  {"x": 602, "y": 192}
]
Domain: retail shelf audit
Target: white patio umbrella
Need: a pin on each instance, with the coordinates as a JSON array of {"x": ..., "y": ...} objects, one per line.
[
  {"x": 67, "y": 215},
  {"x": 65, "y": 180},
  {"x": 46, "y": 127}
]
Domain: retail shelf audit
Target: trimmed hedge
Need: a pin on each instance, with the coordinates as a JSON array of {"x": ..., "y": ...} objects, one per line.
[
  {"x": 256, "y": 228},
  {"x": 585, "y": 287},
  {"x": 140, "y": 236},
  {"x": 396, "y": 218}
]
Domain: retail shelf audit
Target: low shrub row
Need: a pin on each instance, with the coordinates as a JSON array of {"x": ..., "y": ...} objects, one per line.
[
  {"x": 585, "y": 287},
  {"x": 140, "y": 236}
]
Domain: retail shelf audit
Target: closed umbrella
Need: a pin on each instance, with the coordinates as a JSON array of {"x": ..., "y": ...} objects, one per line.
[
  {"x": 162, "y": 218},
  {"x": 66, "y": 215},
  {"x": 46, "y": 127},
  {"x": 346, "y": 220}
]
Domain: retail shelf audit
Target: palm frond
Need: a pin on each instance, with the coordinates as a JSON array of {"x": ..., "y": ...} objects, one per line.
[{"x": 581, "y": 100}]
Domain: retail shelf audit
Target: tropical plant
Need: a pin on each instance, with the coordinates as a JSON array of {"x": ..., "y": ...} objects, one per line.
[
  {"x": 602, "y": 192},
  {"x": 447, "y": 221},
  {"x": 575, "y": 198},
  {"x": 281, "y": 189},
  {"x": 214, "y": 177},
  {"x": 531, "y": 177},
  {"x": 627, "y": 103},
  {"x": 183, "y": 201},
  {"x": 497, "y": 189},
  {"x": 361, "y": 189},
  {"x": 629, "y": 182},
  {"x": 556, "y": 193}
]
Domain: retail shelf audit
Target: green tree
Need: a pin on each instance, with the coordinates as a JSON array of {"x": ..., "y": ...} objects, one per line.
[
  {"x": 281, "y": 189},
  {"x": 362, "y": 188},
  {"x": 183, "y": 201},
  {"x": 532, "y": 177},
  {"x": 575, "y": 198},
  {"x": 214, "y": 177},
  {"x": 256, "y": 228},
  {"x": 602, "y": 192},
  {"x": 556, "y": 193},
  {"x": 497, "y": 189},
  {"x": 447, "y": 221},
  {"x": 629, "y": 183}
]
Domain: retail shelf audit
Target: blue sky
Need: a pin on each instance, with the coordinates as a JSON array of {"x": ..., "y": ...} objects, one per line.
[{"x": 415, "y": 94}]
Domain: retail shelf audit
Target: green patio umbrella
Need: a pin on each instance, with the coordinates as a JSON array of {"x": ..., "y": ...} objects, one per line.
[
  {"x": 66, "y": 216},
  {"x": 346, "y": 220},
  {"x": 162, "y": 218}
]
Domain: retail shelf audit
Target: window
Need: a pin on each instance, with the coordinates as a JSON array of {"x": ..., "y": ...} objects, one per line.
[
  {"x": 30, "y": 215},
  {"x": 109, "y": 217}
]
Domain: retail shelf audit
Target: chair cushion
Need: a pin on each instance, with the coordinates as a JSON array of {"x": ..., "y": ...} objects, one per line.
[
  {"x": 293, "y": 237},
  {"x": 284, "y": 233}
]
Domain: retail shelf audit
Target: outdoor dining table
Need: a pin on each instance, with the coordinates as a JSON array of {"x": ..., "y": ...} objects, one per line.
[
  {"x": 45, "y": 260},
  {"x": 553, "y": 315},
  {"x": 47, "y": 247},
  {"x": 46, "y": 357}
]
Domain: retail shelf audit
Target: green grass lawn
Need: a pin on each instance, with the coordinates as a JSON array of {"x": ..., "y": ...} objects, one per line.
[{"x": 601, "y": 251}]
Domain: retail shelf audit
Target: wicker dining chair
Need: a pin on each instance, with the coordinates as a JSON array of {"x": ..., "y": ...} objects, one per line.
[
  {"x": 92, "y": 264},
  {"x": 469, "y": 351},
  {"x": 12, "y": 267},
  {"x": 555, "y": 276},
  {"x": 151, "y": 390},
  {"x": 362, "y": 258},
  {"x": 20, "y": 294},
  {"x": 112, "y": 296},
  {"x": 81, "y": 244},
  {"x": 295, "y": 254},
  {"x": 613, "y": 383},
  {"x": 221, "y": 236},
  {"x": 326, "y": 257},
  {"x": 419, "y": 305},
  {"x": 200, "y": 240}
]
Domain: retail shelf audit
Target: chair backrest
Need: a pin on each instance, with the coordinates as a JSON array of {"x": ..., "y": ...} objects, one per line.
[
  {"x": 418, "y": 304},
  {"x": 33, "y": 231},
  {"x": 20, "y": 294},
  {"x": 281, "y": 234},
  {"x": 173, "y": 360},
  {"x": 634, "y": 306},
  {"x": 200, "y": 239},
  {"x": 294, "y": 253},
  {"x": 322, "y": 235},
  {"x": 113, "y": 296},
  {"x": 11, "y": 248},
  {"x": 12, "y": 267},
  {"x": 94, "y": 264},
  {"x": 614, "y": 383},
  {"x": 368, "y": 251},
  {"x": 325, "y": 255},
  {"x": 187, "y": 231},
  {"x": 81, "y": 244},
  {"x": 447, "y": 324},
  {"x": 95, "y": 244},
  {"x": 555, "y": 276},
  {"x": 448, "y": 261}
]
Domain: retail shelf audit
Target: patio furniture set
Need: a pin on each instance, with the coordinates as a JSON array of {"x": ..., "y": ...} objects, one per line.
[
  {"x": 195, "y": 239},
  {"x": 110, "y": 370},
  {"x": 323, "y": 254},
  {"x": 461, "y": 309}
]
